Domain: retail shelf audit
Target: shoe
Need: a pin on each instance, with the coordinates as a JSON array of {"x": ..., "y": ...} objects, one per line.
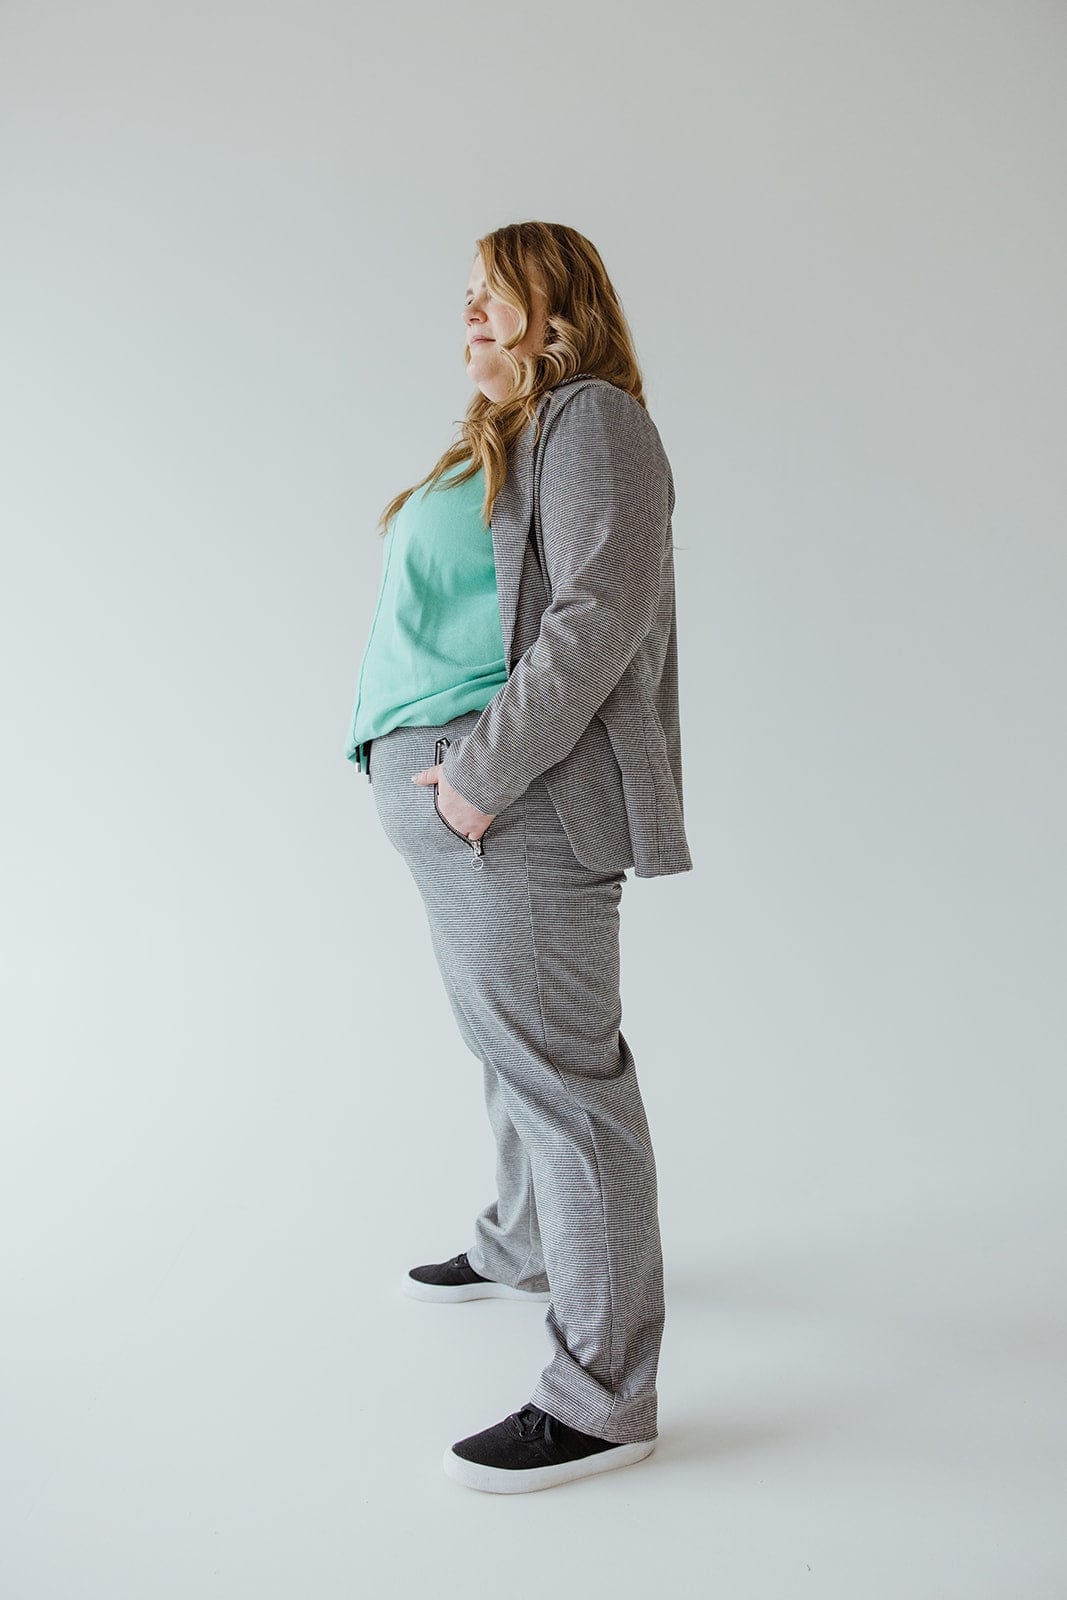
[
  {"x": 457, "y": 1280},
  {"x": 533, "y": 1450}
]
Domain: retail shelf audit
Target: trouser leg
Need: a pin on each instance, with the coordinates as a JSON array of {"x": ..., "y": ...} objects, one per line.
[
  {"x": 530, "y": 943},
  {"x": 507, "y": 1238},
  {"x": 507, "y": 1234}
]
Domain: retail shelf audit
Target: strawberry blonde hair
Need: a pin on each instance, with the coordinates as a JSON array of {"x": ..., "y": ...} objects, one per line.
[{"x": 585, "y": 332}]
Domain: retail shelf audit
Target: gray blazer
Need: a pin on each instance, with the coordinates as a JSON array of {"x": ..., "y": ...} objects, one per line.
[{"x": 588, "y": 618}]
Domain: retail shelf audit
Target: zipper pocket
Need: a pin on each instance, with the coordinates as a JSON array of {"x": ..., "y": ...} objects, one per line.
[{"x": 475, "y": 845}]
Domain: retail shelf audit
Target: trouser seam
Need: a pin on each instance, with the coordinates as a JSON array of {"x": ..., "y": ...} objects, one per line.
[{"x": 613, "y": 1364}]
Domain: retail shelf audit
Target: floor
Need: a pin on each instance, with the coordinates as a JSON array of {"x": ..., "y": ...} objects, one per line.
[{"x": 876, "y": 1411}]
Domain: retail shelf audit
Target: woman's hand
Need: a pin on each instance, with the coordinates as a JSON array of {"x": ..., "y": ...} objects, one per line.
[{"x": 452, "y": 806}]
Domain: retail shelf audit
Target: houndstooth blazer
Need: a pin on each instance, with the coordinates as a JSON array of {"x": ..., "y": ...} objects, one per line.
[{"x": 588, "y": 618}]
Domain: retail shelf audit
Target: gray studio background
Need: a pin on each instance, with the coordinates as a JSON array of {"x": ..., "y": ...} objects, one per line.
[{"x": 235, "y": 241}]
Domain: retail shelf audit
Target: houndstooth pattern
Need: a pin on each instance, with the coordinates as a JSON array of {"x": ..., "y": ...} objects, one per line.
[
  {"x": 527, "y": 942},
  {"x": 591, "y": 698}
]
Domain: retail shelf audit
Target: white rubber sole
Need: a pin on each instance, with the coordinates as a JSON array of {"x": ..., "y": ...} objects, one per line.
[
  {"x": 502, "y": 1480},
  {"x": 470, "y": 1291}
]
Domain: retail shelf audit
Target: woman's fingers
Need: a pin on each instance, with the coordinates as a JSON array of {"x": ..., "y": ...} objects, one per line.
[{"x": 469, "y": 821}]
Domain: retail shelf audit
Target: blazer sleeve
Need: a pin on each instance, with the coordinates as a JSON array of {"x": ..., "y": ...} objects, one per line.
[{"x": 604, "y": 497}]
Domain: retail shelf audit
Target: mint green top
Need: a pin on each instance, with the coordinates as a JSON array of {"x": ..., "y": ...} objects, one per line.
[{"x": 435, "y": 648}]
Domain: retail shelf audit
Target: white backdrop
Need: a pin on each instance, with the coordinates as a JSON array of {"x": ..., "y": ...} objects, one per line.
[{"x": 235, "y": 1108}]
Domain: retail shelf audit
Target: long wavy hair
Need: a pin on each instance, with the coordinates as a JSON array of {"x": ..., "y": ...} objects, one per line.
[{"x": 585, "y": 333}]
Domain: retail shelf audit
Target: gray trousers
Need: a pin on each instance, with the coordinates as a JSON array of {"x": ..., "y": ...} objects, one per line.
[{"x": 527, "y": 942}]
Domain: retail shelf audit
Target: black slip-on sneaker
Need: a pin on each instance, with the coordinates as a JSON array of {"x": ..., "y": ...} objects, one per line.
[
  {"x": 457, "y": 1280},
  {"x": 530, "y": 1450}
]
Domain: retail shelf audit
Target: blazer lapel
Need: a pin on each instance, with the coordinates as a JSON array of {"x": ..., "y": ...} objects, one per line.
[
  {"x": 510, "y": 528},
  {"x": 513, "y": 510}
]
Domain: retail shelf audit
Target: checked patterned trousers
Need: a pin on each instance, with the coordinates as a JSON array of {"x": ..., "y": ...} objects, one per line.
[{"x": 527, "y": 942}]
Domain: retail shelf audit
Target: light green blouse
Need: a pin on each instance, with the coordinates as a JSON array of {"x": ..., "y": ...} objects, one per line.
[{"x": 435, "y": 648}]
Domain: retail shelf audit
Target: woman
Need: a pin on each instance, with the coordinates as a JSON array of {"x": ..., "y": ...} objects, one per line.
[{"x": 517, "y": 717}]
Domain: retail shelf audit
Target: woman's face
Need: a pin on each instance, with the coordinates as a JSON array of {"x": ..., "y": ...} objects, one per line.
[{"x": 488, "y": 321}]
